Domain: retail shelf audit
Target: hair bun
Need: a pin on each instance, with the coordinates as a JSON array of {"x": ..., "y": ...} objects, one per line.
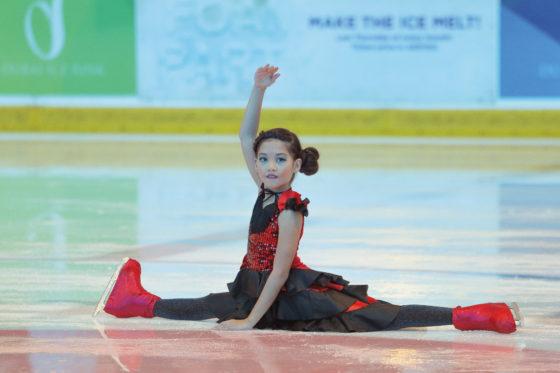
[{"x": 309, "y": 161}]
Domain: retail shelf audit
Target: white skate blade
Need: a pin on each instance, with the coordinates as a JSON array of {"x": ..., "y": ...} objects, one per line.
[
  {"x": 517, "y": 315},
  {"x": 109, "y": 288}
]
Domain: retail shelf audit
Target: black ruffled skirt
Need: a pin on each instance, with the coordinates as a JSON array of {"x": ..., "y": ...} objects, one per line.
[{"x": 309, "y": 301}]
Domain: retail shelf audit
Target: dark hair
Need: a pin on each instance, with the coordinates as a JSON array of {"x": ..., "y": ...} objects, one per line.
[{"x": 309, "y": 156}]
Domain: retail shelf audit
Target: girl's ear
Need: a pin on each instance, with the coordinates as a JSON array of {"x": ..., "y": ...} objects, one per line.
[{"x": 297, "y": 165}]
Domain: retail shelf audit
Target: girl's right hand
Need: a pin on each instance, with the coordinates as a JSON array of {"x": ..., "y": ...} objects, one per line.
[{"x": 266, "y": 76}]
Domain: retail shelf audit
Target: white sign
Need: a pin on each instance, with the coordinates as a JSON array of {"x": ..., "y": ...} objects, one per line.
[{"x": 355, "y": 54}]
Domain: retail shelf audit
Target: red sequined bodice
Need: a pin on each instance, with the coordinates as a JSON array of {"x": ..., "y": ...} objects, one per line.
[{"x": 263, "y": 230}]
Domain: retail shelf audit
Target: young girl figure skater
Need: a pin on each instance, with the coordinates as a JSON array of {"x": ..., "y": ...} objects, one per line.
[{"x": 273, "y": 288}]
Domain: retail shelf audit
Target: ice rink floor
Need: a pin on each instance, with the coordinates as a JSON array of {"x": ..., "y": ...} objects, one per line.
[{"x": 422, "y": 221}]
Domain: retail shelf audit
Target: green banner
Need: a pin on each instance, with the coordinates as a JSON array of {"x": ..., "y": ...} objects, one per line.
[{"x": 67, "y": 47}]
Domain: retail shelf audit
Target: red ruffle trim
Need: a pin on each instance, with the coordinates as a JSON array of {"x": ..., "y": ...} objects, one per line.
[
  {"x": 355, "y": 306},
  {"x": 292, "y": 201}
]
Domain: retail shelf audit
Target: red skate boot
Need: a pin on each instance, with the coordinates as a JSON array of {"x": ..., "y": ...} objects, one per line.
[
  {"x": 127, "y": 297},
  {"x": 496, "y": 317}
]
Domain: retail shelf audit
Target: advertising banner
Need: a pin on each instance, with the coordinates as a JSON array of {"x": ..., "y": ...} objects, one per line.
[
  {"x": 530, "y": 49},
  {"x": 67, "y": 47},
  {"x": 331, "y": 53}
]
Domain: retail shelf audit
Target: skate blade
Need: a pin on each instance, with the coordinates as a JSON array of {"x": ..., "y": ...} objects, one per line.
[
  {"x": 109, "y": 288},
  {"x": 517, "y": 315}
]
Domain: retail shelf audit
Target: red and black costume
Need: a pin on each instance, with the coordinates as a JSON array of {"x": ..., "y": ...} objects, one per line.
[{"x": 310, "y": 300}]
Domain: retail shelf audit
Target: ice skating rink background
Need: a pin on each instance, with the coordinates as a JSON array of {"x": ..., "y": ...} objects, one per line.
[
  {"x": 420, "y": 220},
  {"x": 438, "y": 126}
]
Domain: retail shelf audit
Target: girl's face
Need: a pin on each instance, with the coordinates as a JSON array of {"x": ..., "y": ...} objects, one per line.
[{"x": 275, "y": 166}]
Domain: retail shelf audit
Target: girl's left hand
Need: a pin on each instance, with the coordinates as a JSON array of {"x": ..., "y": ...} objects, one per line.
[{"x": 234, "y": 324}]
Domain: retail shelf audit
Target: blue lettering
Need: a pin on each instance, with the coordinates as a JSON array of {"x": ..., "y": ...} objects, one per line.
[
  {"x": 413, "y": 22},
  {"x": 314, "y": 21},
  {"x": 332, "y": 22},
  {"x": 457, "y": 22},
  {"x": 377, "y": 22}
]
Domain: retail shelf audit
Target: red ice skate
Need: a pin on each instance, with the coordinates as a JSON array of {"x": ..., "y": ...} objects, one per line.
[
  {"x": 127, "y": 297},
  {"x": 496, "y": 317}
]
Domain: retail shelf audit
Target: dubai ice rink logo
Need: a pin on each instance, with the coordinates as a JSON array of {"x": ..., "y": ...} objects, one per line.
[{"x": 54, "y": 16}]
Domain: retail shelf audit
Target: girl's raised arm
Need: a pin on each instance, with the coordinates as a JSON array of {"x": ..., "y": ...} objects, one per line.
[{"x": 264, "y": 77}]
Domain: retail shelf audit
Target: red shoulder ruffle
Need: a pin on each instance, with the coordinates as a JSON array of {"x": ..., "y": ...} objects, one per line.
[{"x": 292, "y": 201}]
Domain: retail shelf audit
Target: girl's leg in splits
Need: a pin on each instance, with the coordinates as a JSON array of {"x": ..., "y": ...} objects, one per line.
[
  {"x": 421, "y": 316},
  {"x": 496, "y": 317},
  {"x": 184, "y": 309}
]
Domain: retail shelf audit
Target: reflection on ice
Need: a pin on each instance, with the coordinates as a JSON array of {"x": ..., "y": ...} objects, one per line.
[{"x": 437, "y": 235}]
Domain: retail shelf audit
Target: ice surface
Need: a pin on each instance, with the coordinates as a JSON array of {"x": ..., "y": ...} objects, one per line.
[{"x": 420, "y": 223}]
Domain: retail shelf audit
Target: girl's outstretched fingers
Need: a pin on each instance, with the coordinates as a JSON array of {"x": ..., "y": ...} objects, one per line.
[
  {"x": 235, "y": 324},
  {"x": 266, "y": 76}
]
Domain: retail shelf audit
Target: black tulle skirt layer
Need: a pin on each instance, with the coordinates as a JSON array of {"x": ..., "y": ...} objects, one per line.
[{"x": 310, "y": 301}]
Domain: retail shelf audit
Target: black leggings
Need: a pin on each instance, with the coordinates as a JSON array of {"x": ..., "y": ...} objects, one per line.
[
  {"x": 184, "y": 309},
  {"x": 408, "y": 316},
  {"x": 415, "y": 315}
]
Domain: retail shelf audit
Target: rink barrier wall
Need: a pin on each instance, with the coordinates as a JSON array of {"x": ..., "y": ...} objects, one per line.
[{"x": 446, "y": 123}]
